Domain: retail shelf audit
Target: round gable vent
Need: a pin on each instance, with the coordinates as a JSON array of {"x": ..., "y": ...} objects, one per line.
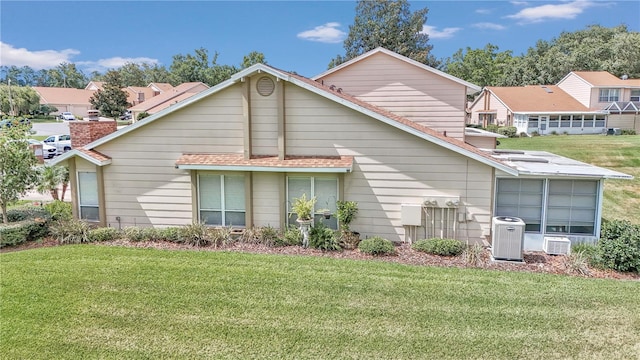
[{"x": 265, "y": 86}]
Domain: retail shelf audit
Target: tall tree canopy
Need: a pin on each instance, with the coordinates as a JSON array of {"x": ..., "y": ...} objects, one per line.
[
  {"x": 21, "y": 100},
  {"x": 389, "y": 24},
  {"x": 111, "y": 100},
  {"x": 483, "y": 67}
]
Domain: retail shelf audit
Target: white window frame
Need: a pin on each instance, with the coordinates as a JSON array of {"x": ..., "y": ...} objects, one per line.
[
  {"x": 635, "y": 95},
  {"x": 291, "y": 216},
  {"x": 223, "y": 201},
  {"x": 609, "y": 95},
  {"x": 82, "y": 200}
]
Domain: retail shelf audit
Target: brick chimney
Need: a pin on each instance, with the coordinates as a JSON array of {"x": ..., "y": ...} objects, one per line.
[{"x": 84, "y": 132}]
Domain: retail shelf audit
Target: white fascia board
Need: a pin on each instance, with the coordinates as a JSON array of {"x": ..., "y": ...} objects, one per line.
[
  {"x": 265, "y": 168},
  {"x": 576, "y": 112},
  {"x": 69, "y": 154},
  {"x": 406, "y": 128},
  {"x": 237, "y": 77},
  {"x": 471, "y": 88}
]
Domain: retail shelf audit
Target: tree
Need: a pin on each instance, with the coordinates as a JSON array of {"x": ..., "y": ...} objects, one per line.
[
  {"x": 51, "y": 178},
  {"x": 111, "y": 101},
  {"x": 22, "y": 100},
  {"x": 253, "y": 58},
  {"x": 483, "y": 67},
  {"x": 132, "y": 74},
  {"x": 391, "y": 25},
  {"x": 18, "y": 173}
]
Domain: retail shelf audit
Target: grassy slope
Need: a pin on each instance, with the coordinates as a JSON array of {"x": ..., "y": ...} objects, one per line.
[
  {"x": 619, "y": 153},
  {"x": 108, "y": 302}
]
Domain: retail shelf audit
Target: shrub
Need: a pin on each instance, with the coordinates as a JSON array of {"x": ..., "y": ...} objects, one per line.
[
  {"x": 13, "y": 234},
  {"x": 27, "y": 213},
  {"x": 71, "y": 231},
  {"x": 323, "y": 238},
  {"x": 535, "y": 133},
  {"x": 509, "y": 131},
  {"x": 217, "y": 236},
  {"x": 346, "y": 211},
  {"x": 104, "y": 234},
  {"x": 376, "y": 246},
  {"x": 133, "y": 233},
  {"x": 172, "y": 234},
  {"x": 577, "y": 262},
  {"x": 493, "y": 128},
  {"x": 196, "y": 234},
  {"x": 473, "y": 254},
  {"x": 349, "y": 240},
  {"x": 442, "y": 247},
  {"x": 554, "y": 132},
  {"x": 619, "y": 246},
  {"x": 291, "y": 237},
  {"x": 266, "y": 235},
  {"x": 628, "y": 132},
  {"x": 59, "y": 210}
]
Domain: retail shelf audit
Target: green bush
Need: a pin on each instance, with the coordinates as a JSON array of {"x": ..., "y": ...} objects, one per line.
[
  {"x": 509, "y": 131},
  {"x": 71, "y": 231},
  {"x": 196, "y": 234},
  {"x": 27, "y": 213},
  {"x": 267, "y": 235},
  {"x": 104, "y": 234},
  {"x": 290, "y": 237},
  {"x": 376, "y": 246},
  {"x": 493, "y": 128},
  {"x": 442, "y": 247},
  {"x": 628, "y": 132},
  {"x": 619, "y": 246},
  {"x": 59, "y": 210},
  {"x": 323, "y": 238},
  {"x": 171, "y": 234},
  {"x": 133, "y": 233},
  {"x": 13, "y": 234}
]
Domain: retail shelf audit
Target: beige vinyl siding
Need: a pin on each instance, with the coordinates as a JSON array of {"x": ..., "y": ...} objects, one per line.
[
  {"x": 266, "y": 199},
  {"x": 142, "y": 185},
  {"x": 391, "y": 167},
  {"x": 482, "y": 142},
  {"x": 406, "y": 90},
  {"x": 579, "y": 90},
  {"x": 264, "y": 121},
  {"x": 624, "y": 121},
  {"x": 494, "y": 104}
]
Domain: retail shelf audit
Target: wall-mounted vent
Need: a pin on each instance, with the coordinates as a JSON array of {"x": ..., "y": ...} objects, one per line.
[
  {"x": 265, "y": 86},
  {"x": 556, "y": 245}
]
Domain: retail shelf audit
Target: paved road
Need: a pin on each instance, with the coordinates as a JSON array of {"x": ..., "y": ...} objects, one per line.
[{"x": 56, "y": 128}]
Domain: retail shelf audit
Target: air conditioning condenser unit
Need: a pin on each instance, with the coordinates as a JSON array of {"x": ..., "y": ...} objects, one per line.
[{"x": 507, "y": 237}]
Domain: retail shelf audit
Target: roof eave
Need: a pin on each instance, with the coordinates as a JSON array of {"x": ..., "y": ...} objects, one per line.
[
  {"x": 265, "y": 168},
  {"x": 70, "y": 154}
]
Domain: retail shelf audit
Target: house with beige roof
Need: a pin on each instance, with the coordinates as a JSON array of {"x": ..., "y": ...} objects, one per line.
[
  {"x": 165, "y": 98},
  {"x": 583, "y": 102},
  {"x": 72, "y": 100},
  {"x": 239, "y": 153}
]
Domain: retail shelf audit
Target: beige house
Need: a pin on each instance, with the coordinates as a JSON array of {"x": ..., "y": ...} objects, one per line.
[
  {"x": 164, "y": 97},
  {"x": 238, "y": 154},
  {"x": 72, "y": 100}
]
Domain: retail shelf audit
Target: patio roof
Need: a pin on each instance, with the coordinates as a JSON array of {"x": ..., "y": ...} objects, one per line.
[{"x": 237, "y": 162}]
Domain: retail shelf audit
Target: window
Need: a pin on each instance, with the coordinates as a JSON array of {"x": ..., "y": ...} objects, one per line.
[
  {"x": 565, "y": 120},
  {"x": 588, "y": 121},
  {"x": 533, "y": 122},
  {"x": 576, "y": 121},
  {"x": 324, "y": 189},
  {"x": 608, "y": 95},
  {"x": 557, "y": 206},
  {"x": 635, "y": 95},
  {"x": 88, "y": 196},
  {"x": 521, "y": 198},
  {"x": 553, "y": 121},
  {"x": 221, "y": 199},
  {"x": 571, "y": 206},
  {"x": 600, "y": 120}
]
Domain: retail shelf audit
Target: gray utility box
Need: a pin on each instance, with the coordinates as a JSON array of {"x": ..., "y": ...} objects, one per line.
[{"x": 507, "y": 237}]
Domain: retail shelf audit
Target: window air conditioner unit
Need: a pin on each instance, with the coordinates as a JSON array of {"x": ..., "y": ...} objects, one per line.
[{"x": 556, "y": 245}]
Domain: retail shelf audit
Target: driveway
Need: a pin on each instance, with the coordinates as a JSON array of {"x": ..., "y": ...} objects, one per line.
[{"x": 46, "y": 129}]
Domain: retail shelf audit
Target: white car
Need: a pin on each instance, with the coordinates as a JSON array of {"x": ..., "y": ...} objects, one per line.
[
  {"x": 67, "y": 116},
  {"x": 48, "y": 151}
]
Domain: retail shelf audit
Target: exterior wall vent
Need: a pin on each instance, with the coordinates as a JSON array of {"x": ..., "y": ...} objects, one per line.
[{"x": 265, "y": 86}]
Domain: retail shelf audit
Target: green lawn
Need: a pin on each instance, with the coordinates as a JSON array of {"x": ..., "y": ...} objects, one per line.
[
  {"x": 90, "y": 301},
  {"x": 619, "y": 153}
]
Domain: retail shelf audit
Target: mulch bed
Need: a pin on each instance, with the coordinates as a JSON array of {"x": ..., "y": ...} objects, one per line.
[{"x": 534, "y": 262}]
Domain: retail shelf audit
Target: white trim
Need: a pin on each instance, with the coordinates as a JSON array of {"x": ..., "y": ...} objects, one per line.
[
  {"x": 69, "y": 154},
  {"x": 264, "y": 168},
  {"x": 469, "y": 85}
]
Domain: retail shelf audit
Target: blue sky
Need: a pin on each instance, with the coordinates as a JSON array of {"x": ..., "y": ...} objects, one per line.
[{"x": 301, "y": 36}]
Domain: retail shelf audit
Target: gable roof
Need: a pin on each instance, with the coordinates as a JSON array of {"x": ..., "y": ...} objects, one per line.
[
  {"x": 603, "y": 79},
  {"x": 160, "y": 86},
  {"x": 351, "y": 102},
  {"x": 169, "y": 97},
  {"x": 536, "y": 98},
  {"x": 471, "y": 88},
  {"x": 67, "y": 96}
]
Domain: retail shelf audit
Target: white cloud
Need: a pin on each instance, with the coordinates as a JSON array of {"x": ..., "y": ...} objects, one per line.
[
  {"x": 483, "y": 11},
  {"x": 488, "y": 26},
  {"x": 41, "y": 59},
  {"x": 541, "y": 13},
  {"x": 519, "y": 3},
  {"x": 103, "y": 65},
  {"x": 445, "y": 33},
  {"x": 327, "y": 33}
]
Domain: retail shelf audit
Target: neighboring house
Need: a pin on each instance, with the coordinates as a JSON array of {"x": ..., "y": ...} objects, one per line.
[
  {"x": 95, "y": 85},
  {"x": 166, "y": 98},
  {"x": 240, "y": 152},
  {"x": 72, "y": 100},
  {"x": 135, "y": 94},
  {"x": 599, "y": 90}
]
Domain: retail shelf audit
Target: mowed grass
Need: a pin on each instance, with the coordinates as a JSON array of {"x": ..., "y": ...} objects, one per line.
[
  {"x": 619, "y": 153},
  {"x": 88, "y": 301}
]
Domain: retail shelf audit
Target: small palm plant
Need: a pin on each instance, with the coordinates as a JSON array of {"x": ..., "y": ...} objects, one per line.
[{"x": 303, "y": 207}]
